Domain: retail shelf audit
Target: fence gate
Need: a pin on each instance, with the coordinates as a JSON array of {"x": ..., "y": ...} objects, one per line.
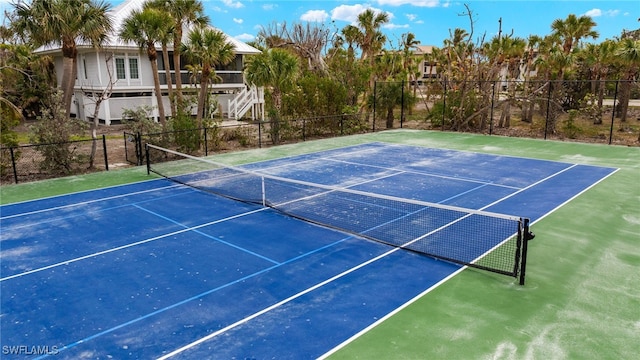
[{"x": 133, "y": 148}]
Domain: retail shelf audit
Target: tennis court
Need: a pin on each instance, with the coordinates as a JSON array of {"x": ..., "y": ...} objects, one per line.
[{"x": 158, "y": 269}]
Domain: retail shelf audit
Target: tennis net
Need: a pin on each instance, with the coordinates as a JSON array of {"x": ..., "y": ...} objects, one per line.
[{"x": 474, "y": 238}]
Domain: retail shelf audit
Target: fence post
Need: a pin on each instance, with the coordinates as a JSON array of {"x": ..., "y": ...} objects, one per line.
[
  {"x": 139, "y": 148},
  {"x": 493, "y": 97},
  {"x": 375, "y": 88},
  {"x": 402, "y": 106},
  {"x": 206, "y": 143},
  {"x": 304, "y": 125},
  {"x": 146, "y": 155},
  {"x": 13, "y": 165},
  {"x": 613, "y": 112},
  {"x": 546, "y": 121},
  {"x": 104, "y": 148},
  {"x": 444, "y": 102}
]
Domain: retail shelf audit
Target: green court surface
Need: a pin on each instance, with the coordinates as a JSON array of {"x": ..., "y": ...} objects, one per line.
[{"x": 582, "y": 296}]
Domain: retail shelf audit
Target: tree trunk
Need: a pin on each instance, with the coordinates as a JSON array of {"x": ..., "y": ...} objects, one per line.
[
  {"x": 202, "y": 97},
  {"x": 390, "y": 117},
  {"x": 156, "y": 82},
  {"x": 167, "y": 70},
  {"x": 625, "y": 94},
  {"x": 506, "y": 113},
  {"x": 67, "y": 84},
  {"x": 275, "y": 121},
  {"x": 177, "y": 40},
  {"x": 94, "y": 128}
]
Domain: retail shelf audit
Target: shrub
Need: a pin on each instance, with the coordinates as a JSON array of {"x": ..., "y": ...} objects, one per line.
[{"x": 55, "y": 130}]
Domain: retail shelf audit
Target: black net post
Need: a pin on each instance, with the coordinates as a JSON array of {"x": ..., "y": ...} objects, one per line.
[{"x": 526, "y": 236}]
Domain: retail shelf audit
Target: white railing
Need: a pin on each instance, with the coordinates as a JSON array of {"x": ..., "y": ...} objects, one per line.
[{"x": 244, "y": 101}]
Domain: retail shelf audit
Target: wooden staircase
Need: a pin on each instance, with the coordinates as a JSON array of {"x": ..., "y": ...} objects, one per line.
[{"x": 250, "y": 98}]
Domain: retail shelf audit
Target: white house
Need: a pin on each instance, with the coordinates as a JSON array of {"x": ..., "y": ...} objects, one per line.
[
  {"x": 128, "y": 69},
  {"x": 427, "y": 68}
]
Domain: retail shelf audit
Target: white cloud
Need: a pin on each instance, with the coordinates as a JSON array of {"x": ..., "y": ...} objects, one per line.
[
  {"x": 238, "y": 21},
  {"x": 233, "y": 4},
  {"x": 597, "y": 13},
  {"x": 395, "y": 26},
  {"x": 411, "y": 17},
  {"x": 350, "y": 12},
  {"x": 315, "y": 16},
  {"x": 419, "y": 3},
  {"x": 594, "y": 13},
  {"x": 245, "y": 37},
  {"x": 269, "y": 7}
]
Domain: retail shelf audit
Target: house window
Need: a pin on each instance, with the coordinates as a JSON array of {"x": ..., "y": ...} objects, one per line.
[
  {"x": 127, "y": 67},
  {"x": 133, "y": 68},
  {"x": 120, "y": 69}
]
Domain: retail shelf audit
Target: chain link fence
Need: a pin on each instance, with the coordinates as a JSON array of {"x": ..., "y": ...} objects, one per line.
[
  {"x": 220, "y": 138},
  {"x": 599, "y": 111},
  {"x": 602, "y": 111},
  {"x": 43, "y": 161}
]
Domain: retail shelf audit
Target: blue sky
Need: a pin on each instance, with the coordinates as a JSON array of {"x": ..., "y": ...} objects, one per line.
[{"x": 429, "y": 20}]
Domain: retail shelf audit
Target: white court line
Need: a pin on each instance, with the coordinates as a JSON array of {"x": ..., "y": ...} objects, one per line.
[
  {"x": 478, "y": 181},
  {"x": 85, "y": 202},
  {"x": 276, "y": 305},
  {"x": 308, "y": 290},
  {"x": 67, "y": 262},
  {"x": 381, "y": 320}
]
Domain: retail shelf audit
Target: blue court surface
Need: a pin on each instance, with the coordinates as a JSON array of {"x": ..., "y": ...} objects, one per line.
[{"x": 160, "y": 270}]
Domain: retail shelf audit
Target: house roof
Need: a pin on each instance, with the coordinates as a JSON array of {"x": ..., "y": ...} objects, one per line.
[
  {"x": 424, "y": 49},
  {"x": 119, "y": 14}
]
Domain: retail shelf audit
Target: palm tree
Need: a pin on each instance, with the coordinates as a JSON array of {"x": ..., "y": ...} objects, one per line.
[
  {"x": 277, "y": 69},
  {"x": 409, "y": 43},
  {"x": 208, "y": 47},
  {"x": 64, "y": 22},
  {"x": 455, "y": 53},
  {"x": 528, "y": 104},
  {"x": 599, "y": 58},
  {"x": 145, "y": 28},
  {"x": 183, "y": 13},
  {"x": 505, "y": 53},
  {"x": 371, "y": 40},
  {"x": 628, "y": 53},
  {"x": 573, "y": 29},
  {"x": 351, "y": 36},
  {"x": 166, "y": 36}
]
